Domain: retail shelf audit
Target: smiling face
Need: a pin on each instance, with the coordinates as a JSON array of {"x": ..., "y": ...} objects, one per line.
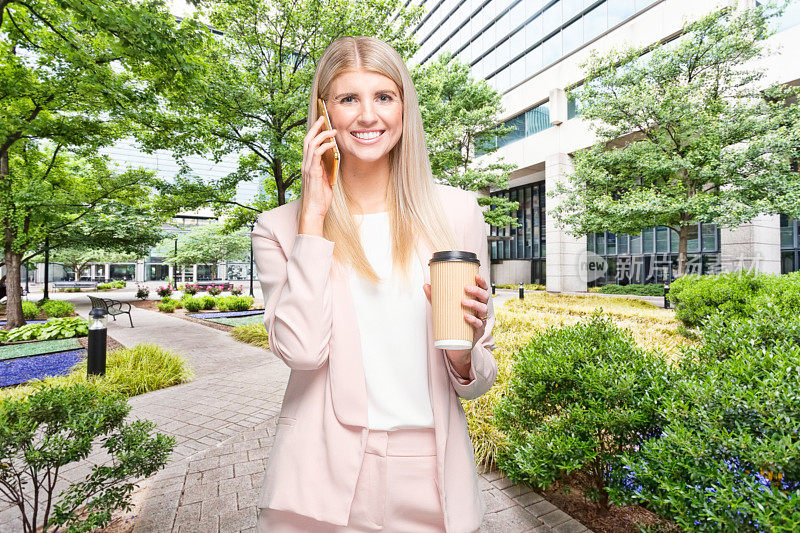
[{"x": 366, "y": 109}]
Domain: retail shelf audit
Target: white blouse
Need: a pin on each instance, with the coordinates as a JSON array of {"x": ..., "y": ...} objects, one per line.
[{"x": 392, "y": 322}]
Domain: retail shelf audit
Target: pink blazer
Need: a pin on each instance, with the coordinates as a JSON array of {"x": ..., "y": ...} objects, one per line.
[{"x": 322, "y": 428}]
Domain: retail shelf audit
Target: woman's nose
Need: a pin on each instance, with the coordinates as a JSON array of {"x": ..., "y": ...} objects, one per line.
[{"x": 367, "y": 113}]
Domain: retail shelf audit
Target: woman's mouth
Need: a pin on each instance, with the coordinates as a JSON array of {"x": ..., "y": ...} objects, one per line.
[{"x": 367, "y": 137}]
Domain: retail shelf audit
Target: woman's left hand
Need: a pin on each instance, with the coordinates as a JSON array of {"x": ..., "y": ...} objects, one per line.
[{"x": 480, "y": 304}]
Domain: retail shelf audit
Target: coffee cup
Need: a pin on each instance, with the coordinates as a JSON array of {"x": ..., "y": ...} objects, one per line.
[{"x": 451, "y": 271}]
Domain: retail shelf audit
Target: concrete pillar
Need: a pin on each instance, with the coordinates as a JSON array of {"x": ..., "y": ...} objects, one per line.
[
  {"x": 171, "y": 271},
  {"x": 107, "y": 275},
  {"x": 755, "y": 245},
  {"x": 194, "y": 273},
  {"x": 139, "y": 273},
  {"x": 565, "y": 253},
  {"x": 558, "y": 106},
  {"x": 223, "y": 270}
]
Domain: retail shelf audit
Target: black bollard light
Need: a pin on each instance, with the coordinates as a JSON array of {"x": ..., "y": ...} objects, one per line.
[
  {"x": 666, "y": 293},
  {"x": 521, "y": 292},
  {"x": 492, "y": 288},
  {"x": 96, "y": 352}
]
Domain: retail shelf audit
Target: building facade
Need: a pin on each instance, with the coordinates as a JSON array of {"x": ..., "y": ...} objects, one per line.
[{"x": 531, "y": 51}]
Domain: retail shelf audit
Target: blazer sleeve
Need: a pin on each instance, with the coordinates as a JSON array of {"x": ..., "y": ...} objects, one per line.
[
  {"x": 297, "y": 295},
  {"x": 483, "y": 370}
]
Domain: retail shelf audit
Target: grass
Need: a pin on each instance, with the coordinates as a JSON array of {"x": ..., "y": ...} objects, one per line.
[
  {"x": 254, "y": 334},
  {"x": 35, "y": 348},
  {"x": 518, "y": 321},
  {"x": 130, "y": 372}
]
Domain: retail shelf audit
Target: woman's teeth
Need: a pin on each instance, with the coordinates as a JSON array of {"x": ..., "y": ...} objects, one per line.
[{"x": 366, "y": 135}]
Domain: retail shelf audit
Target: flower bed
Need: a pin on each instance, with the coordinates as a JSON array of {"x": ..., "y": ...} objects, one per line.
[
  {"x": 227, "y": 314},
  {"x": 28, "y": 348},
  {"x": 22, "y": 369}
]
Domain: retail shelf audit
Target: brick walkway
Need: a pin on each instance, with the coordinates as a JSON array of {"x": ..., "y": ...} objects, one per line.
[{"x": 224, "y": 423}]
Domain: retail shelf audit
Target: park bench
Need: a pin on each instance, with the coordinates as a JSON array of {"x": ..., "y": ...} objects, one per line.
[
  {"x": 75, "y": 284},
  {"x": 112, "y": 307}
]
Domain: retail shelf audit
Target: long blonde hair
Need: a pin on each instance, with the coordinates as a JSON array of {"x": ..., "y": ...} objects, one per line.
[{"x": 412, "y": 202}]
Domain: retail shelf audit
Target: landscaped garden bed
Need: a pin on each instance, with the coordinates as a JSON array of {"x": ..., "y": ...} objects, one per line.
[{"x": 638, "y": 416}]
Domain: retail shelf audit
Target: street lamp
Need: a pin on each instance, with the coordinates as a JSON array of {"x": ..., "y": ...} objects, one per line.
[
  {"x": 96, "y": 350},
  {"x": 175, "y": 266},
  {"x": 252, "y": 226}
]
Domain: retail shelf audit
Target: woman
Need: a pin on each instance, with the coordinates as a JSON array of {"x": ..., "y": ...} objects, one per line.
[{"x": 371, "y": 434}]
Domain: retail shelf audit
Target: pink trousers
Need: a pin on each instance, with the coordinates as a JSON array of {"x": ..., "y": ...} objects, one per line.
[{"x": 396, "y": 490}]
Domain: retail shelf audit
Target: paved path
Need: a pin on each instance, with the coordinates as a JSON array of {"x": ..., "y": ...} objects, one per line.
[{"x": 224, "y": 424}]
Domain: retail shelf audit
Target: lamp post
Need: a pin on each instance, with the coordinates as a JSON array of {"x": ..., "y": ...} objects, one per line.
[
  {"x": 175, "y": 267},
  {"x": 252, "y": 226},
  {"x": 96, "y": 351}
]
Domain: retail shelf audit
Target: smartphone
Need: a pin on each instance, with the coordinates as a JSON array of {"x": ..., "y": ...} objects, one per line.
[{"x": 330, "y": 158}]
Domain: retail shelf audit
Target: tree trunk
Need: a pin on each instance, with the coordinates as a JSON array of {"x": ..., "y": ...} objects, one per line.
[
  {"x": 277, "y": 172},
  {"x": 13, "y": 261},
  {"x": 14, "y": 315},
  {"x": 683, "y": 240},
  {"x": 77, "y": 273}
]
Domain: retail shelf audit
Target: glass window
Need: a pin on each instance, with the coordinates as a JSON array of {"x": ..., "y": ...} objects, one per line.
[
  {"x": 647, "y": 241},
  {"x": 528, "y": 222},
  {"x": 619, "y": 10},
  {"x": 504, "y": 80},
  {"x": 674, "y": 240},
  {"x": 517, "y": 14},
  {"x": 590, "y": 242},
  {"x": 517, "y": 44},
  {"x": 572, "y": 36},
  {"x": 595, "y": 22},
  {"x": 570, "y": 8},
  {"x": 622, "y": 243},
  {"x": 517, "y": 72},
  {"x": 600, "y": 244},
  {"x": 641, "y": 4},
  {"x": 787, "y": 232},
  {"x": 533, "y": 61},
  {"x": 551, "y": 18},
  {"x": 636, "y": 244},
  {"x": 537, "y": 119},
  {"x": 573, "y": 108},
  {"x": 518, "y": 123},
  {"x": 662, "y": 238},
  {"x": 709, "y": 237},
  {"x": 533, "y": 31},
  {"x": 503, "y": 53},
  {"x": 788, "y": 263},
  {"x": 611, "y": 244},
  {"x": 532, "y": 6},
  {"x": 790, "y": 17},
  {"x": 551, "y": 49}
]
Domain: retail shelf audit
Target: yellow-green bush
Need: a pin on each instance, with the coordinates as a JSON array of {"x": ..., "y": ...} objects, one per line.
[{"x": 255, "y": 334}]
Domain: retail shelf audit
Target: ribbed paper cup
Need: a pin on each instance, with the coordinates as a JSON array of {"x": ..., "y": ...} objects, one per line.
[{"x": 451, "y": 271}]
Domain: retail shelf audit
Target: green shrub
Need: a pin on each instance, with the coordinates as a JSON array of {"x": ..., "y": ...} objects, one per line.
[
  {"x": 30, "y": 310},
  {"x": 650, "y": 289},
  {"x": 166, "y": 307},
  {"x": 103, "y": 286},
  {"x": 58, "y": 328},
  {"x": 255, "y": 334},
  {"x": 209, "y": 302},
  {"x": 57, "y": 308},
  {"x": 54, "y": 427},
  {"x": 192, "y": 305},
  {"x": 577, "y": 397},
  {"x": 698, "y": 297},
  {"x": 729, "y": 457},
  {"x": 234, "y": 303}
]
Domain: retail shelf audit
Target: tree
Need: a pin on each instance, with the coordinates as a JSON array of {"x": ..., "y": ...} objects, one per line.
[
  {"x": 689, "y": 132},
  {"x": 458, "y": 114},
  {"x": 209, "y": 244},
  {"x": 253, "y": 96},
  {"x": 73, "y": 74}
]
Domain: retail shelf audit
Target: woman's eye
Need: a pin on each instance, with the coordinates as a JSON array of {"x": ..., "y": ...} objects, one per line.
[
  {"x": 346, "y": 99},
  {"x": 385, "y": 98}
]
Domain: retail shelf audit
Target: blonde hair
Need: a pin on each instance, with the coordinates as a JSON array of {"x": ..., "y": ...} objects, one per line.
[{"x": 413, "y": 204}]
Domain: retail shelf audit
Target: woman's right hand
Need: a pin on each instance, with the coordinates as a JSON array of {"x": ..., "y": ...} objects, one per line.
[{"x": 317, "y": 190}]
